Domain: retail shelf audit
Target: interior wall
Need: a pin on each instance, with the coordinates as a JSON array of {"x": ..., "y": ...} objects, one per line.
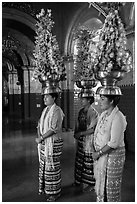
[{"x": 127, "y": 106}]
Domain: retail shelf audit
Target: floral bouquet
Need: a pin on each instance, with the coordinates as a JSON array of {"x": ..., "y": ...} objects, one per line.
[
  {"x": 112, "y": 52},
  {"x": 48, "y": 61},
  {"x": 84, "y": 56}
]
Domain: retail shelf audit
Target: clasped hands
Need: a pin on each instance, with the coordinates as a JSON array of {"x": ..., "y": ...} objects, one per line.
[
  {"x": 95, "y": 155},
  {"x": 38, "y": 140},
  {"x": 78, "y": 134}
]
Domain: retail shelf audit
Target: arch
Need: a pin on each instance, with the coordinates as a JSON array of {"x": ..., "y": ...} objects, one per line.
[
  {"x": 83, "y": 15},
  {"x": 11, "y": 13},
  {"x": 23, "y": 45}
]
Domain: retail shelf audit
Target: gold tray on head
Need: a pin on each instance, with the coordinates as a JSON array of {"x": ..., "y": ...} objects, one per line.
[
  {"x": 84, "y": 93},
  {"x": 109, "y": 78},
  {"x": 50, "y": 87},
  {"x": 109, "y": 90},
  {"x": 86, "y": 83}
]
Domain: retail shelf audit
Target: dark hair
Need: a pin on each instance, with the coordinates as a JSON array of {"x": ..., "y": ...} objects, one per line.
[
  {"x": 54, "y": 95},
  {"x": 114, "y": 98},
  {"x": 91, "y": 99}
]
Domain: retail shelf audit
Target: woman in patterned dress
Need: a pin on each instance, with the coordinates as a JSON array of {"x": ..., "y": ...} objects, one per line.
[
  {"x": 109, "y": 152},
  {"x": 87, "y": 119},
  {"x": 50, "y": 148}
]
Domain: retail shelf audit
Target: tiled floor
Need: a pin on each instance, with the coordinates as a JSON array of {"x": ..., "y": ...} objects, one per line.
[{"x": 20, "y": 168}]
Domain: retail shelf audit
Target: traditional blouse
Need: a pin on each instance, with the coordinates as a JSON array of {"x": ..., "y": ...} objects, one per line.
[
  {"x": 86, "y": 120},
  {"x": 56, "y": 122},
  {"x": 51, "y": 120},
  {"x": 110, "y": 129}
]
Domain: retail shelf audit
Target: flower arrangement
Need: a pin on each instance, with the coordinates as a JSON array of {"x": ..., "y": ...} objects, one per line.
[
  {"x": 112, "y": 52},
  {"x": 107, "y": 6},
  {"x": 84, "y": 56},
  {"x": 48, "y": 61}
]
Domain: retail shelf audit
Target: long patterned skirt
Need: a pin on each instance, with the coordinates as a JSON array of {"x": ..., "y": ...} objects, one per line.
[
  {"x": 113, "y": 178},
  {"x": 115, "y": 165},
  {"x": 83, "y": 166},
  {"x": 49, "y": 178}
]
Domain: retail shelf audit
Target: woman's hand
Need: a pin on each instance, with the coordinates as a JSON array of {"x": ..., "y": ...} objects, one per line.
[
  {"x": 77, "y": 135},
  {"x": 95, "y": 155},
  {"x": 38, "y": 140}
]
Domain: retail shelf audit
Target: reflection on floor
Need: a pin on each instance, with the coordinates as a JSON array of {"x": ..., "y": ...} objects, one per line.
[{"x": 20, "y": 168}]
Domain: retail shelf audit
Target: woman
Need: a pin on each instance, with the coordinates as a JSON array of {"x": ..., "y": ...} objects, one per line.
[
  {"x": 87, "y": 119},
  {"x": 109, "y": 152},
  {"x": 50, "y": 148}
]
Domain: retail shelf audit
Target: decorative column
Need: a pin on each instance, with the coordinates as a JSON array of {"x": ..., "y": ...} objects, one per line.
[
  {"x": 11, "y": 92},
  {"x": 26, "y": 98},
  {"x": 15, "y": 103},
  {"x": 32, "y": 94},
  {"x": 69, "y": 92}
]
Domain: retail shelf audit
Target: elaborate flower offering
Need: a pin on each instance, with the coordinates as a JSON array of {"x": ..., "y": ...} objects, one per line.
[
  {"x": 49, "y": 64},
  {"x": 112, "y": 52},
  {"x": 83, "y": 56},
  {"x": 113, "y": 59}
]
